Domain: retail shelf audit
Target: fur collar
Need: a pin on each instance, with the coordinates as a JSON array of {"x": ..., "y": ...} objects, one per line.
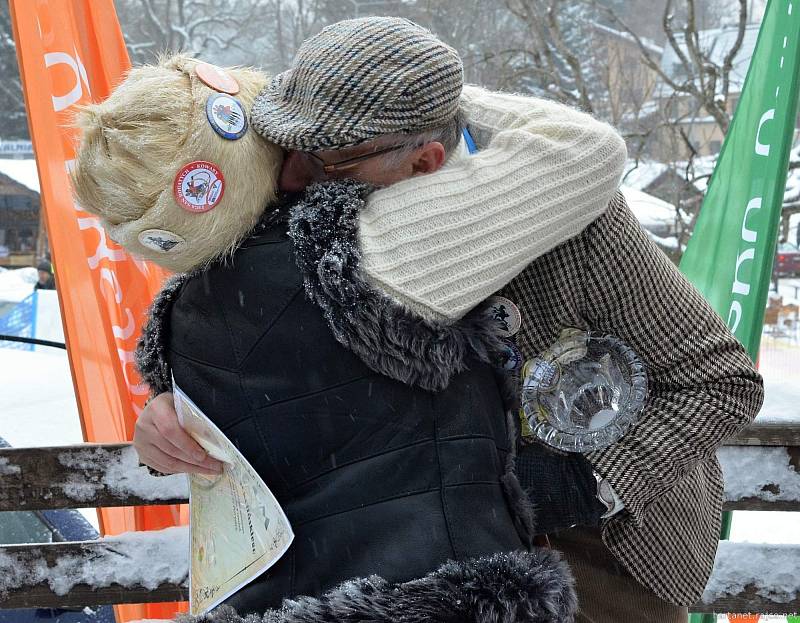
[
  {"x": 151, "y": 349},
  {"x": 389, "y": 338}
]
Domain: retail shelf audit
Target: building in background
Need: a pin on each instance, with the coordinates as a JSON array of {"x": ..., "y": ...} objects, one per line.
[
  {"x": 684, "y": 111},
  {"x": 19, "y": 150},
  {"x": 631, "y": 83},
  {"x": 23, "y": 240}
]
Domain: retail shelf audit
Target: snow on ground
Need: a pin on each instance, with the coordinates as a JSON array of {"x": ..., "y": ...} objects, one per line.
[
  {"x": 780, "y": 399},
  {"x": 17, "y": 284},
  {"x": 779, "y": 364},
  {"x": 639, "y": 175},
  {"x": 788, "y": 290},
  {"x": 650, "y": 211},
  {"x": 793, "y": 237},
  {"x": 657, "y": 217},
  {"x": 38, "y": 400},
  {"x": 22, "y": 171}
]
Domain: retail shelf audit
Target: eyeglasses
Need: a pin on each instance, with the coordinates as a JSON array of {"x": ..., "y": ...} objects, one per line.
[{"x": 349, "y": 163}]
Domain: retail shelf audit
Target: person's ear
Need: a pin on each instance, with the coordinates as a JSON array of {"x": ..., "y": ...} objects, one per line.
[{"x": 428, "y": 158}]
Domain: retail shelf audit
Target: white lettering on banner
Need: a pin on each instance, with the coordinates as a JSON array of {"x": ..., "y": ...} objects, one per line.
[
  {"x": 103, "y": 250},
  {"x": 107, "y": 274},
  {"x": 129, "y": 330},
  {"x": 142, "y": 266},
  {"x": 750, "y": 235},
  {"x": 62, "y": 102},
  {"x": 761, "y": 148},
  {"x": 736, "y": 307},
  {"x": 739, "y": 287},
  {"x": 120, "y": 333},
  {"x": 127, "y": 357}
]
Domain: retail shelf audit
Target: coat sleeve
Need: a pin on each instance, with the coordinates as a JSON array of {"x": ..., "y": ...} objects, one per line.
[
  {"x": 441, "y": 243},
  {"x": 702, "y": 386}
]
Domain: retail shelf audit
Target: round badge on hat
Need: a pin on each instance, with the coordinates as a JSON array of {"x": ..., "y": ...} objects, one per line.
[
  {"x": 505, "y": 314},
  {"x": 199, "y": 186},
  {"x": 226, "y": 115},
  {"x": 216, "y": 78},
  {"x": 161, "y": 240}
]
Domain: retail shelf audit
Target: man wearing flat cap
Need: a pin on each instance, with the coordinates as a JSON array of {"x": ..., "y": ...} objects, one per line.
[{"x": 534, "y": 216}]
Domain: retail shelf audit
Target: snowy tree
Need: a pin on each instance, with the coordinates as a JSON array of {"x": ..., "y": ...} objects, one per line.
[
  {"x": 228, "y": 31},
  {"x": 13, "y": 122},
  {"x": 553, "y": 54}
]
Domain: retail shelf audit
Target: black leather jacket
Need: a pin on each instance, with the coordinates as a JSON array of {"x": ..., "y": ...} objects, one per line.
[{"x": 376, "y": 477}]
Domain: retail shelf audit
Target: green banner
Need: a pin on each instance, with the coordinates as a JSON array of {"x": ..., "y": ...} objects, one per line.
[{"x": 729, "y": 256}]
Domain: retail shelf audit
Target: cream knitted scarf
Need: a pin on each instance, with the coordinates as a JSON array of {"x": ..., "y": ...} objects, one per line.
[{"x": 442, "y": 243}]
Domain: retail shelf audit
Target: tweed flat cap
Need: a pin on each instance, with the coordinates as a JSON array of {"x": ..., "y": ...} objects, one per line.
[{"x": 359, "y": 79}]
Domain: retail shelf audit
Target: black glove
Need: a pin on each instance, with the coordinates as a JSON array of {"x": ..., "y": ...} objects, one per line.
[{"x": 561, "y": 487}]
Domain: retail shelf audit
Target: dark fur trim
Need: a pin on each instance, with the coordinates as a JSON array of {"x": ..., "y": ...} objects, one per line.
[
  {"x": 390, "y": 339},
  {"x": 519, "y": 502},
  {"x": 151, "y": 360},
  {"x": 516, "y": 587}
]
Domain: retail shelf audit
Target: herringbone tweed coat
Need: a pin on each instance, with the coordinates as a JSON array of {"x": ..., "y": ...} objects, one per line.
[{"x": 703, "y": 388}]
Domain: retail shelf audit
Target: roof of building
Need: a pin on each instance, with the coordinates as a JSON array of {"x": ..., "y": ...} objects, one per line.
[
  {"x": 650, "y": 45},
  {"x": 716, "y": 43},
  {"x": 21, "y": 171}
]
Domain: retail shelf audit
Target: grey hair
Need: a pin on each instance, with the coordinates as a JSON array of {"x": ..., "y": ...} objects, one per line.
[{"x": 448, "y": 134}]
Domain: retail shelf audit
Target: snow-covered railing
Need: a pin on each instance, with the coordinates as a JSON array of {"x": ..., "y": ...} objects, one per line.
[
  {"x": 762, "y": 468},
  {"x": 78, "y": 476},
  {"x": 762, "y": 471},
  {"x": 135, "y": 567},
  {"x": 757, "y": 578}
]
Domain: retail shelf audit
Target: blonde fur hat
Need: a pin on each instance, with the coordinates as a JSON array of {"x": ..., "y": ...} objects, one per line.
[{"x": 136, "y": 142}]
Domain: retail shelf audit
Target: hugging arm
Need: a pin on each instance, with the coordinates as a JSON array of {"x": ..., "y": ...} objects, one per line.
[{"x": 443, "y": 242}]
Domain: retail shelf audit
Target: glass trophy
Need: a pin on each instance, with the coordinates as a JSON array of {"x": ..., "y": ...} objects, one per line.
[{"x": 584, "y": 392}]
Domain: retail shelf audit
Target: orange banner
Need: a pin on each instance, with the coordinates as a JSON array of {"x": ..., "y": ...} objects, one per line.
[{"x": 71, "y": 52}]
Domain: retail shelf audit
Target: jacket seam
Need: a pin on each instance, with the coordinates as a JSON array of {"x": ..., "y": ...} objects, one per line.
[
  {"x": 442, "y": 496},
  {"x": 385, "y": 452},
  {"x": 307, "y": 394},
  {"x": 400, "y": 497},
  {"x": 268, "y": 328},
  {"x": 201, "y": 362}
]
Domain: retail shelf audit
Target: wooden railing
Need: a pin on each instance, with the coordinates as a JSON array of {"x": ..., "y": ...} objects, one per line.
[{"x": 108, "y": 475}]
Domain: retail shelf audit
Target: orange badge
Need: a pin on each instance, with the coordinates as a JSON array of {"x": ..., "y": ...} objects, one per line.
[{"x": 217, "y": 78}]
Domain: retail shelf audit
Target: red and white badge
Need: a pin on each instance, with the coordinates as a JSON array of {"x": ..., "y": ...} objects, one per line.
[
  {"x": 217, "y": 78},
  {"x": 199, "y": 186}
]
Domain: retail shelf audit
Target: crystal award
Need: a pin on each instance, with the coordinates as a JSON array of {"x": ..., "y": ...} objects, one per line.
[{"x": 584, "y": 392}]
